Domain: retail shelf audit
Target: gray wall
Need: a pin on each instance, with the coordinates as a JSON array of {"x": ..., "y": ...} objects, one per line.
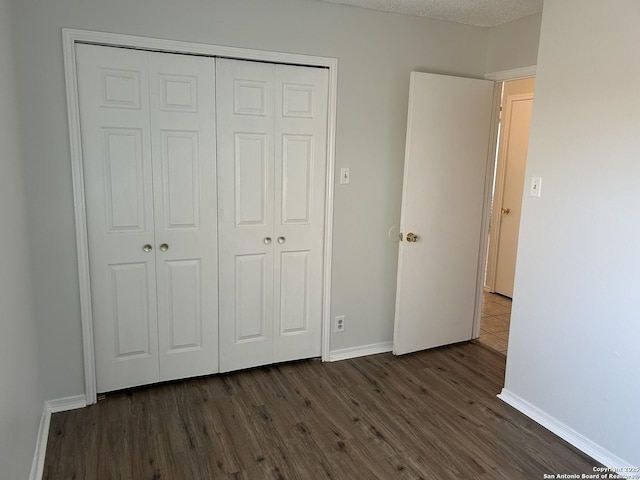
[
  {"x": 575, "y": 329},
  {"x": 376, "y": 52},
  {"x": 21, "y": 397},
  {"x": 514, "y": 44}
]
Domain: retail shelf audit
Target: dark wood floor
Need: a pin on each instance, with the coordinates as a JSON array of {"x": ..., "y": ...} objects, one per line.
[{"x": 430, "y": 415}]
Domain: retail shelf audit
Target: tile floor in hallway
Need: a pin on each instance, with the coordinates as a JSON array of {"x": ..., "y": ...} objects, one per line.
[{"x": 496, "y": 318}]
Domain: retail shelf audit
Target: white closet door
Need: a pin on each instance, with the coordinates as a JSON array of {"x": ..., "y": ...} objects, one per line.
[
  {"x": 245, "y": 96},
  {"x": 148, "y": 137},
  {"x": 114, "y": 112},
  {"x": 272, "y": 122},
  {"x": 185, "y": 209},
  {"x": 300, "y": 176}
]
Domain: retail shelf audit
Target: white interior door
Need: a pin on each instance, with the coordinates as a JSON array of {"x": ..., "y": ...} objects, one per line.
[
  {"x": 446, "y": 164},
  {"x": 183, "y": 150},
  {"x": 149, "y": 160},
  {"x": 114, "y": 111},
  {"x": 245, "y": 94},
  {"x": 300, "y": 179},
  {"x": 508, "y": 201},
  {"x": 271, "y": 178}
]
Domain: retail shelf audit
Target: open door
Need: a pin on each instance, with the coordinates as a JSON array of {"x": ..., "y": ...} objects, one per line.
[{"x": 447, "y": 163}]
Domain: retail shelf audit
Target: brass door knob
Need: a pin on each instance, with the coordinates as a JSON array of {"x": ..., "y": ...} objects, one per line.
[
  {"x": 505, "y": 211},
  {"x": 411, "y": 237},
  {"x": 147, "y": 248},
  {"x": 164, "y": 247}
]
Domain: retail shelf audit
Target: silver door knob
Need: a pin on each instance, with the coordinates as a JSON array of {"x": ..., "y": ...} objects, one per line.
[
  {"x": 267, "y": 240},
  {"x": 281, "y": 240},
  {"x": 147, "y": 248},
  {"x": 164, "y": 247}
]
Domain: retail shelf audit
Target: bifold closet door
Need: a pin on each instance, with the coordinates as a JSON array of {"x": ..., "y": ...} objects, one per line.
[
  {"x": 272, "y": 124},
  {"x": 148, "y": 147}
]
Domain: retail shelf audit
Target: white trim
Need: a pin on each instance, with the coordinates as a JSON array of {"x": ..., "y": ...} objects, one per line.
[
  {"x": 328, "y": 220},
  {"x": 50, "y": 407},
  {"x": 37, "y": 466},
  {"x": 362, "y": 351},
  {"x": 512, "y": 74},
  {"x": 67, "y": 403},
  {"x": 82, "y": 245},
  {"x": 73, "y": 36},
  {"x": 565, "y": 432},
  {"x": 486, "y": 209}
]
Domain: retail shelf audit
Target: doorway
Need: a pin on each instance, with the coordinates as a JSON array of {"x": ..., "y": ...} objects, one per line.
[{"x": 509, "y": 183}]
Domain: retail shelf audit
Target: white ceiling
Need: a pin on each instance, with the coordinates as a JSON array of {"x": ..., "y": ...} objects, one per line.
[{"x": 483, "y": 13}]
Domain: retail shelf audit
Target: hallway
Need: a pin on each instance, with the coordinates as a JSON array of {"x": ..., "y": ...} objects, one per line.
[{"x": 495, "y": 322}]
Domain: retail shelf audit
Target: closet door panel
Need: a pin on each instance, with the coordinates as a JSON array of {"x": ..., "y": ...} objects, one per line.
[
  {"x": 182, "y": 111},
  {"x": 251, "y": 300},
  {"x": 130, "y": 319},
  {"x": 180, "y": 166},
  {"x": 297, "y": 178},
  {"x": 294, "y": 293},
  {"x": 300, "y": 129},
  {"x": 114, "y": 112},
  {"x": 251, "y": 166},
  {"x": 182, "y": 279},
  {"x": 244, "y": 92}
]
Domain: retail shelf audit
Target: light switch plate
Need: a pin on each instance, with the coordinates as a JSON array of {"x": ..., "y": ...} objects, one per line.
[
  {"x": 536, "y": 186},
  {"x": 345, "y": 176}
]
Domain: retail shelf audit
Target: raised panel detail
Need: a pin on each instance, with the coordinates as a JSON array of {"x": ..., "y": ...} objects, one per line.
[
  {"x": 297, "y": 163},
  {"x": 178, "y": 93},
  {"x": 249, "y": 97},
  {"x": 183, "y": 304},
  {"x": 297, "y": 100},
  {"x": 124, "y": 179},
  {"x": 130, "y": 307},
  {"x": 294, "y": 292},
  {"x": 250, "y": 178},
  {"x": 180, "y": 168},
  {"x": 250, "y": 297},
  {"x": 120, "y": 88}
]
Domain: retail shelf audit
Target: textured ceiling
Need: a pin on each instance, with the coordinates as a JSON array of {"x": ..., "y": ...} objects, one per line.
[{"x": 483, "y": 13}]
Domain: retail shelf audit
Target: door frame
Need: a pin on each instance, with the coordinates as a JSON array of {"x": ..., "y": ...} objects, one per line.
[
  {"x": 70, "y": 38},
  {"x": 498, "y": 77}
]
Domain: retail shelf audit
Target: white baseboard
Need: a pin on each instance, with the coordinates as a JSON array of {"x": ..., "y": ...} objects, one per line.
[
  {"x": 353, "y": 352},
  {"x": 51, "y": 406},
  {"x": 67, "y": 403},
  {"x": 565, "y": 432},
  {"x": 37, "y": 466}
]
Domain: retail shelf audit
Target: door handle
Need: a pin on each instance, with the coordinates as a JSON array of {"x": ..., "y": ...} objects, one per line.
[
  {"x": 267, "y": 240},
  {"x": 147, "y": 248},
  {"x": 281, "y": 240},
  {"x": 164, "y": 247},
  {"x": 505, "y": 211},
  {"x": 411, "y": 237}
]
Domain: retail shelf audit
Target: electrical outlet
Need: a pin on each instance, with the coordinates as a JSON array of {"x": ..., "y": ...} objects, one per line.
[{"x": 338, "y": 325}]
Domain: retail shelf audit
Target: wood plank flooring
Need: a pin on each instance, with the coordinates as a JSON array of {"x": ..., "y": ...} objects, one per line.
[{"x": 430, "y": 415}]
